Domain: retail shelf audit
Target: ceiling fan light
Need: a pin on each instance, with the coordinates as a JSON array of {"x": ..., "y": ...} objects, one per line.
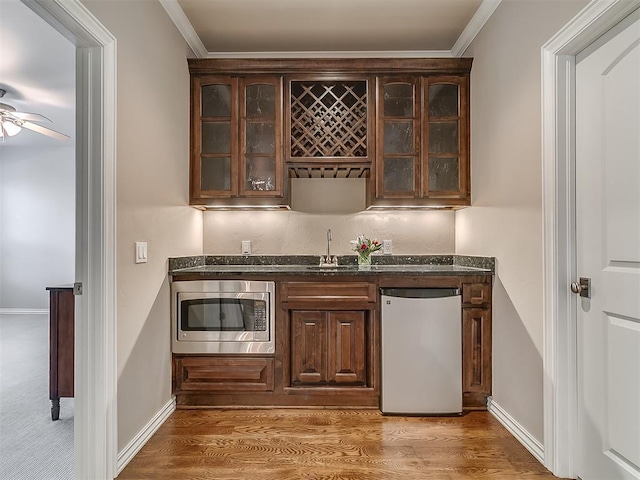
[{"x": 10, "y": 129}]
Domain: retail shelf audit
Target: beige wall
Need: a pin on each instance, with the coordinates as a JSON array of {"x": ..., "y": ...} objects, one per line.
[
  {"x": 291, "y": 233},
  {"x": 506, "y": 219},
  {"x": 152, "y": 194}
]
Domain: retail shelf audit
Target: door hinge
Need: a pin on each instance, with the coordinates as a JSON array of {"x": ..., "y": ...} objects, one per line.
[{"x": 77, "y": 288}]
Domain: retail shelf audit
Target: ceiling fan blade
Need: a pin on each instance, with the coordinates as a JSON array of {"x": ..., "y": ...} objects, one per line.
[
  {"x": 36, "y": 117},
  {"x": 45, "y": 131}
]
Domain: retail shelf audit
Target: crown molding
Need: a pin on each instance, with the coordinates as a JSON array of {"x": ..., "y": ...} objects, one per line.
[
  {"x": 484, "y": 12},
  {"x": 175, "y": 12},
  {"x": 482, "y": 15},
  {"x": 335, "y": 54}
]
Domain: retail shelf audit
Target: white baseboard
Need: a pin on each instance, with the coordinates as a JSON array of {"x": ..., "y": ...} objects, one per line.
[
  {"x": 517, "y": 430},
  {"x": 134, "y": 446},
  {"x": 24, "y": 311}
]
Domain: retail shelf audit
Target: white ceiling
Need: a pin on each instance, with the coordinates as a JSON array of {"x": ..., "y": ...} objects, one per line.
[
  {"x": 37, "y": 69},
  {"x": 233, "y": 26}
]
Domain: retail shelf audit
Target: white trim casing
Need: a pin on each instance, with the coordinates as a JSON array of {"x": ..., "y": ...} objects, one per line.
[
  {"x": 560, "y": 348},
  {"x": 518, "y": 431},
  {"x": 134, "y": 446},
  {"x": 479, "y": 19},
  {"x": 95, "y": 430},
  {"x": 24, "y": 311}
]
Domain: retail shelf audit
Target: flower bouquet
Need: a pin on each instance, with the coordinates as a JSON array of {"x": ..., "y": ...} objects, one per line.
[{"x": 364, "y": 247}]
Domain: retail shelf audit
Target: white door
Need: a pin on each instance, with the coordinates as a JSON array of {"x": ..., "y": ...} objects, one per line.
[{"x": 608, "y": 252}]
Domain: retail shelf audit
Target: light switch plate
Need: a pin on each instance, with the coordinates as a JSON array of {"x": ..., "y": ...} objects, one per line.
[
  {"x": 387, "y": 247},
  {"x": 246, "y": 247},
  {"x": 141, "y": 252}
]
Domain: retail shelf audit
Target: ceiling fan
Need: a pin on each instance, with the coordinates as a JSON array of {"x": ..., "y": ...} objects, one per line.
[{"x": 12, "y": 122}]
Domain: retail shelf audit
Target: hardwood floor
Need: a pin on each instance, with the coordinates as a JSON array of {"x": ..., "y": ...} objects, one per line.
[{"x": 284, "y": 444}]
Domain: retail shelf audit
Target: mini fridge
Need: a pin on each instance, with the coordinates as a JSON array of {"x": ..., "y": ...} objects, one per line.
[{"x": 421, "y": 351}]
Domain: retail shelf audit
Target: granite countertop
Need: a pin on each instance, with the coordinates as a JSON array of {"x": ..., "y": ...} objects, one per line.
[{"x": 206, "y": 265}]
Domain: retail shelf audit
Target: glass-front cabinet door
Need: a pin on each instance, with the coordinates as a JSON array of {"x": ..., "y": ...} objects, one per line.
[
  {"x": 423, "y": 141},
  {"x": 398, "y": 166},
  {"x": 236, "y": 141},
  {"x": 261, "y": 138},
  {"x": 214, "y": 138},
  {"x": 445, "y": 138}
]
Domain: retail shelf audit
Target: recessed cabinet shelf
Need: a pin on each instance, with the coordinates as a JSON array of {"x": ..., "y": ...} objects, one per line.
[{"x": 401, "y": 123}]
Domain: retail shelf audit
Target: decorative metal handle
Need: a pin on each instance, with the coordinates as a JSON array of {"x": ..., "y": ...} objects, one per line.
[{"x": 582, "y": 287}]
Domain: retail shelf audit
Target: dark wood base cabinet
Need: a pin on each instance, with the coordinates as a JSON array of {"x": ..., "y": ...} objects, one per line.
[{"x": 328, "y": 349}]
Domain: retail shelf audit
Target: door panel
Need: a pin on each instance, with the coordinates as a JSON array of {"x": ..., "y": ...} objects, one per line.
[
  {"x": 608, "y": 252},
  {"x": 347, "y": 347},
  {"x": 309, "y": 347}
]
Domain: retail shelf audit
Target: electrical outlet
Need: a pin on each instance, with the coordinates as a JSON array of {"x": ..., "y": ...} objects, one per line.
[
  {"x": 246, "y": 247},
  {"x": 387, "y": 247},
  {"x": 141, "y": 252}
]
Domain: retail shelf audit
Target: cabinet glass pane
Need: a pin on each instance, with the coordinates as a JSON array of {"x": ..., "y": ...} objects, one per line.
[
  {"x": 261, "y": 138},
  {"x": 443, "y": 174},
  {"x": 398, "y": 174},
  {"x": 443, "y": 100},
  {"x": 216, "y": 101},
  {"x": 216, "y": 174},
  {"x": 443, "y": 137},
  {"x": 261, "y": 100},
  {"x": 261, "y": 173},
  {"x": 398, "y": 100},
  {"x": 216, "y": 137},
  {"x": 398, "y": 137}
]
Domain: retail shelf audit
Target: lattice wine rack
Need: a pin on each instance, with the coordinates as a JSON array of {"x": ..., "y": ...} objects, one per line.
[{"x": 328, "y": 119}]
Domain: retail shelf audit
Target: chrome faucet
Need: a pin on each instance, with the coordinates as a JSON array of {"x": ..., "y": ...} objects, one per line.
[{"x": 328, "y": 261}]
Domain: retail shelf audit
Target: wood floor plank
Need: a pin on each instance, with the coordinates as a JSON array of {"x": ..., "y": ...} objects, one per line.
[{"x": 322, "y": 444}]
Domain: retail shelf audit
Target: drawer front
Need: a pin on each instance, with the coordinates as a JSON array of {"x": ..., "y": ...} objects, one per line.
[
  {"x": 476, "y": 293},
  {"x": 224, "y": 374},
  {"x": 340, "y": 291}
]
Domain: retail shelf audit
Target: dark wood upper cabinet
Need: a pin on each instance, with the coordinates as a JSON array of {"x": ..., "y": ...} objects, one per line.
[
  {"x": 404, "y": 123},
  {"x": 236, "y": 140},
  {"x": 422, "y": 141}
]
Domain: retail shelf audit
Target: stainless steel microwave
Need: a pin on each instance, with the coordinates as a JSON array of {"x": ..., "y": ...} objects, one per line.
[{"x": 223, "y": 316}]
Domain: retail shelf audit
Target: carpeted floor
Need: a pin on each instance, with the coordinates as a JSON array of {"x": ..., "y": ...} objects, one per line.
[{"x": 32, "y": 447}]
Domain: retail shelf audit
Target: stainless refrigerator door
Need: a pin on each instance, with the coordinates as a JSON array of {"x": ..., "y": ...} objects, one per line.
[{"x": 421, "y": 355}]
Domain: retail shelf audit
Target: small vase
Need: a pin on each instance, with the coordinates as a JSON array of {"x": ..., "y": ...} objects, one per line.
[{"x": 364, "y": 261}]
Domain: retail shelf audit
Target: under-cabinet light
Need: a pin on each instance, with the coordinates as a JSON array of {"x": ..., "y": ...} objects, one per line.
[
  {"x": 413, "y": 207},
  {"x": 243, "y": 207}
]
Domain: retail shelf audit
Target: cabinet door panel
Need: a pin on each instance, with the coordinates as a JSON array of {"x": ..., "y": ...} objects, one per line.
[
  {"x": 444, "y": 174},
  {"x": 216, "y": 100},
  {"x": 347, "y": 347},
  {"x": 309, "y": 347},
  {"x": 214, "y": 138},
  {"x": 216, "y": 174},
  {"x": 398, "y": 138},
  {"x": 398, "y": 175},
  {"x": 444, "y": 100},
  {"x": 261, "y": 163},
  {"x": 445, "y": 139},
  {"x": 224, "y": 374},
  {"x": 476, "y": 350}
]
